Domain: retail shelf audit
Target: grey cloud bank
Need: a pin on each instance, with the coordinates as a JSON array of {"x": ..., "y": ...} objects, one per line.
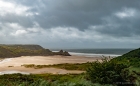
[{"x": 71, "y": 23}]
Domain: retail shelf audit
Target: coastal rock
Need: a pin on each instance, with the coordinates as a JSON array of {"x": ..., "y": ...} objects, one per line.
[
  {"x": 61, "y": 52},
  {"x": 66, "y": 53}
]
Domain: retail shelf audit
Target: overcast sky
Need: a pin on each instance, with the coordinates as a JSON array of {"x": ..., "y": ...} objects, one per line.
[{"x": 71, "y": 23}]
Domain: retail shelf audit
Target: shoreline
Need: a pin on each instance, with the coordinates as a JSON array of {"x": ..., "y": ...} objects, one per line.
[
  {"x": 92, "y": 54},
  {"x": 14, "y": 64}
]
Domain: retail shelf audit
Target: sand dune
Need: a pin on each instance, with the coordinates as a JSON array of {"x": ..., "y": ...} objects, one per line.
[{"x": 42, "y": 60}]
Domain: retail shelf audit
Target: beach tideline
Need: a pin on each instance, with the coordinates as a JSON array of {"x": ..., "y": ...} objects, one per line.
[{"x": 14, "y": 64}]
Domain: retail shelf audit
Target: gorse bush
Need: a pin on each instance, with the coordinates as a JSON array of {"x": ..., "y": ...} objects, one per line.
[
  {"x": 106, "y": 72},
  {"x": 44, "y": 80}
]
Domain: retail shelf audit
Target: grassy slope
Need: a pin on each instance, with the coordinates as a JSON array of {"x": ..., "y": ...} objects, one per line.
[
  {"x": 7, "y": 51},
  {"x": 23, "y": 50},
  {"x": 131, "y": 58},
  {"x": 131, "y": 54}
]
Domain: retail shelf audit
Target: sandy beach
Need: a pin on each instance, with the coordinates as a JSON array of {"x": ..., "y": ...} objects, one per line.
[{"x": 16, "y": 63}]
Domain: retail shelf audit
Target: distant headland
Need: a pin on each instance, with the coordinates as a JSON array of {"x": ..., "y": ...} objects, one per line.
[{"x": 17, "y": 50}]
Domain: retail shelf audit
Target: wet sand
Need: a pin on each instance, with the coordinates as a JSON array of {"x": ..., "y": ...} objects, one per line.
[{"x": 16, "y": 63}]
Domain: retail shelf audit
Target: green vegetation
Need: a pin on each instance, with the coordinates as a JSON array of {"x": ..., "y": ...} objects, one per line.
[
  {"x": 122, "y": 71},
  {"x": 67, "y": 66},
  {"x": 107, "y": 72},
  {"x": 44, "y": 80},
  {"x": 133, "y": 53},
  {"x": 7, "y": 51},
  {"x": 131, "y": 58}
]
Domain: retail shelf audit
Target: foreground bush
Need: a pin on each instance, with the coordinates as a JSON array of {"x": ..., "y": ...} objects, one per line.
[
  {"x": 44, "y": 80},
  {"x": 107, "y": 72}
]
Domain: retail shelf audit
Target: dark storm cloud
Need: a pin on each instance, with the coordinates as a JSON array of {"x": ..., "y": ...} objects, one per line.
[
  {"x": 85, "y": 13},
  {"x": 22, "y": 20},
  {"x": 124, "y": 25}
]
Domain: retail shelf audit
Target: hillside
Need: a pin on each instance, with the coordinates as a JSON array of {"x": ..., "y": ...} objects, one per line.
[
  {"x": 132, "y": 58},
  {"x": 130, "y": 55},
  {"x": 31, "y": 47},
  {"x": 133, "y": 53},
  {"x": 7, "y": 51}
]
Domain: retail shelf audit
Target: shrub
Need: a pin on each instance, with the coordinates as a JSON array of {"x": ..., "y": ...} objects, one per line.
[
  {"x": 44, "y": 80},
  {"x": 106, "y": 72}
]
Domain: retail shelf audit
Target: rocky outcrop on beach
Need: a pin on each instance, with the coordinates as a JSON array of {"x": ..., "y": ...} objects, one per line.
[
  {"x": 61, "y": 52},
  {"x": 66, "y": 53},
  {"x": 8, "y": 51}
]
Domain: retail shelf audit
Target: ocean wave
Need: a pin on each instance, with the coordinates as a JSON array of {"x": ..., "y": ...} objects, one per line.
[{"x": 93, "y": 55}]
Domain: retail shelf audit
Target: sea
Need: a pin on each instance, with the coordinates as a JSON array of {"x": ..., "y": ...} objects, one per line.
[{"x": 96, "y": 52}]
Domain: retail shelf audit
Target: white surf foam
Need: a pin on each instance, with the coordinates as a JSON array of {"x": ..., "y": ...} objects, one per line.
[
  {"x": 93, "y": 55},
  {"x": 13, "y": 72},
  {"x": 5, "y": 60}
]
